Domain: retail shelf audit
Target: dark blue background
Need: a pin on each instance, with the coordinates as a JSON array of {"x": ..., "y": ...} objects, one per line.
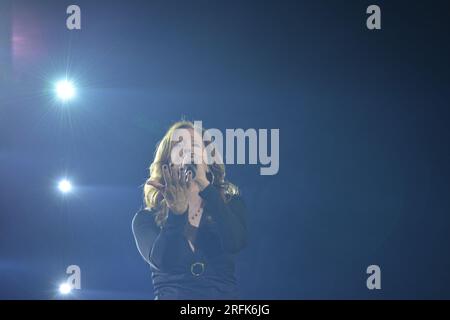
[{"x": 364, "y": 149}]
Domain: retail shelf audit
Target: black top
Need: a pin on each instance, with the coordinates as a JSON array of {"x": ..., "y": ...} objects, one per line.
[{"x": 209, "y": 271}]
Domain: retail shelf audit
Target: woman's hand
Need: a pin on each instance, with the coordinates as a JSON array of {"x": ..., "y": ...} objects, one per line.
[{"x": 176, "y": 188}]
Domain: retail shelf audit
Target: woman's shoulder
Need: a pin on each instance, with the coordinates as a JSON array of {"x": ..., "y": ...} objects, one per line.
[
  {"x": 235, "y": 199},
  {"x": 236, "y": 203},
  {"x": 143, "y": 213}
]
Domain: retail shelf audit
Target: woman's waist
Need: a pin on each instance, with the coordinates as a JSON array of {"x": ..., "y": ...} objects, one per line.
[
  {"x": 197, "y": 264},
  {"x": 197, "y": 269}
]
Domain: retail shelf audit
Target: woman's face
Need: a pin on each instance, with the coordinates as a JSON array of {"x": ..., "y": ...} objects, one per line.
[{"x": 190, "y": 151}]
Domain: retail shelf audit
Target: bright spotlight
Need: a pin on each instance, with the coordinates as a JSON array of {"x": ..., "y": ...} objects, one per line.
[
  {"x": 65, "y": 288},
  {"x": 65, "y": 90},
  {"x": 65, "y": 186}
]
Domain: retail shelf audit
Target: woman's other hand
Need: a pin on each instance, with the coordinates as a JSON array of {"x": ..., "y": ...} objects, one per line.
[{"x": 176, "y": 188}]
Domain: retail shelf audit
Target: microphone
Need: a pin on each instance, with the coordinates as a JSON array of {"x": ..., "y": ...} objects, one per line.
[{"x": 193, "y": 168}]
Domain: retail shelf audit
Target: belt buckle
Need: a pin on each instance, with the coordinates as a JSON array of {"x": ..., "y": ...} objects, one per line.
[{"x": 201, "y": 264}]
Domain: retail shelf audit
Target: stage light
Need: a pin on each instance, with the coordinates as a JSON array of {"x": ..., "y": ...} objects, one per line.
[
  {"x": 65, "y": 186},
  {"x": 65, "y": 90},
  {"x": 65, "y": 288}
]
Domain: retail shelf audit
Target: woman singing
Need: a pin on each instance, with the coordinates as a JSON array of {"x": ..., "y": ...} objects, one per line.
[{"x": 193, "y": 224}]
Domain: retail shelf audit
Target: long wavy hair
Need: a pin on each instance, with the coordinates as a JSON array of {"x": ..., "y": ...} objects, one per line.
[{"x": 153, "y": 198}]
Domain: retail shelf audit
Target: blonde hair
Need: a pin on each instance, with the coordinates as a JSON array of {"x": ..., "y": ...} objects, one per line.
[{"x": 153, "y": 198}]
